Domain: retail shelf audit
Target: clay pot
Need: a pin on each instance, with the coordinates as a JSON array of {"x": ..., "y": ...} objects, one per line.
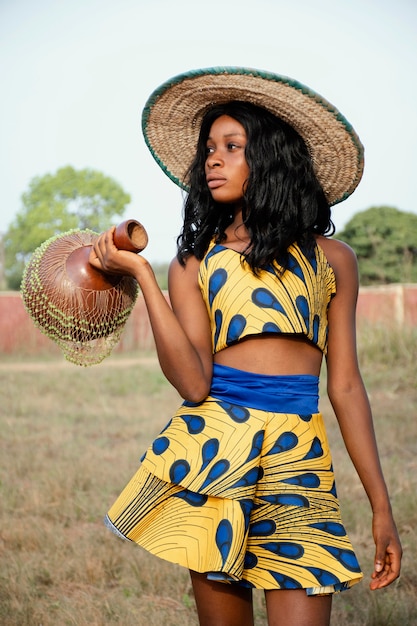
[
  {"x": 72, "y": 301},
  {"x": 130, "y": 235}
]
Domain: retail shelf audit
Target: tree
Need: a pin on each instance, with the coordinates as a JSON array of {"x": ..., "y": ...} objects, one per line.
[
  {"x": 385, "y": 241},
  {"x": 56, "y": 203}
]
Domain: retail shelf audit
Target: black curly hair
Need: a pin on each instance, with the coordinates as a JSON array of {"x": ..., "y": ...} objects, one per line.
[{"x": 283, "y": 201}]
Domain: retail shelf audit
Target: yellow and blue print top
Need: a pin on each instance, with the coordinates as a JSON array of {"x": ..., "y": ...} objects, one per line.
[{"x": 241, "y": 304}]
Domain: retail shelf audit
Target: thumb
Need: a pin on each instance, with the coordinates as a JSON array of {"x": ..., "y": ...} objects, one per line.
[{"x": 379, "y": 561}]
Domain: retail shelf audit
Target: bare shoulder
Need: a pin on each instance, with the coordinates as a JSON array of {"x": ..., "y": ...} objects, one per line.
[
  {"x": 336, "y": 250},
  {"x": 183, "y": 282},
  {"x": 340, "y": 256},
  {"x": 191, "y": 262},
  {"x": 188, "y": 304}
]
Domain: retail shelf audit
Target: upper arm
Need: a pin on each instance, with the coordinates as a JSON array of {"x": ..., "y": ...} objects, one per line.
[
  {"x": 189, "y": 307},
  {"x": 342, "y": 362}
]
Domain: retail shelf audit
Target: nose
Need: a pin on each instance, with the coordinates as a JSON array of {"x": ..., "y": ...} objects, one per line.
[{"x": 214, "y": 159}]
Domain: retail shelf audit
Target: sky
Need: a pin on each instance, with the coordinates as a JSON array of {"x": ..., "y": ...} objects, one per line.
[{"x": 75, "y": 75}]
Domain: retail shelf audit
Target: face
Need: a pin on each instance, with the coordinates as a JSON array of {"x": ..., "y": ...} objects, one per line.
[{"x": 226, "y": 168}]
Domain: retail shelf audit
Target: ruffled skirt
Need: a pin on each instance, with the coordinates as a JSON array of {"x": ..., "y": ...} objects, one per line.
[{"x": 241, "y": 487}]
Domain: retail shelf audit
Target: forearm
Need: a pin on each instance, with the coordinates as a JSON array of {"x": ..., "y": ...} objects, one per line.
[
  {"x": 354, "y": 415},
  {"x": 355, "y": 419}
]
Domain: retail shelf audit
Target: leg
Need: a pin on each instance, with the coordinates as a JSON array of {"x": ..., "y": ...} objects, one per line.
[
  {"x": 221, "y": 604},
  {"x": 293, "y": 607}
]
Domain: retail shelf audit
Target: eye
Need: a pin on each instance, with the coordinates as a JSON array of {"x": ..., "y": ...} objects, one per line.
[
  {"x": 232, "y": 146},
  {"x": 209, "y": 150}
]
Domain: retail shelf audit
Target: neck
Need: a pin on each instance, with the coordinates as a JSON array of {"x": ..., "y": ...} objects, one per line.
[{"x": 237, "y": 231}]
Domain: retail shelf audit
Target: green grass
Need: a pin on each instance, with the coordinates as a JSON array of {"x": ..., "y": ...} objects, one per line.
[{"x": 71, "y": 438}]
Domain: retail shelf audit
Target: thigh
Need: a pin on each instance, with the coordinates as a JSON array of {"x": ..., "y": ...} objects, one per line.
[
  {"x": 293, "y": 607},
  {"x": 221, "y": 604}
]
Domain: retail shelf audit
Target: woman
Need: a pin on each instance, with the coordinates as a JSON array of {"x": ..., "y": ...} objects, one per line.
[{"x": 239, "y": 486}]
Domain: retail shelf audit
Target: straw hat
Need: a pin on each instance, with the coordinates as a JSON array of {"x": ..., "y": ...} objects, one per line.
[{"x": 173, "y": 113}]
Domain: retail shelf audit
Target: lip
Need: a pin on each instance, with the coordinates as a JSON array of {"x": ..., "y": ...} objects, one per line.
[{"x": 215, "y": 181}]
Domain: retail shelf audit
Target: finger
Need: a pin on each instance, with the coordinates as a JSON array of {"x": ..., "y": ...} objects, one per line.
[
  {"x": 381, "y": 558},
  {"x": 108, "y": 237},
  {"x": 382, "y": 582},
  {"x": 101, "y": 247},
  {"x": 389, "y": 572},
  {"x": 93, "y": 258}
]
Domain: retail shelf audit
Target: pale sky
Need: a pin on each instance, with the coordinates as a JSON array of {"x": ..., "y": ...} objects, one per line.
[{"x": 75, "y": 75}]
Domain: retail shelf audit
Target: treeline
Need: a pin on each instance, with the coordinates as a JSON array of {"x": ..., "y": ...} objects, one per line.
[{"x": 384, "y": 238}]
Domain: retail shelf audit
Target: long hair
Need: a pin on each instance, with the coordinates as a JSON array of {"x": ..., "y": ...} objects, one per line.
[{"x": 283, "y": 202}]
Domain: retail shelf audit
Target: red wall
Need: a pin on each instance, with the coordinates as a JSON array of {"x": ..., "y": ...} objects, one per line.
[
  {"x": 18, "y": 334},
  {"x": 388, "y": 305}
]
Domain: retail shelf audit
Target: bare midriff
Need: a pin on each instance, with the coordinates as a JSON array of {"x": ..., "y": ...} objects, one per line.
[{"x": 274, "y": 356}]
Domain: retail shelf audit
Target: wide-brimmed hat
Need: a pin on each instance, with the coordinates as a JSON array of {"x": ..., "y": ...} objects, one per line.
[{"x": 172, "y": 118}]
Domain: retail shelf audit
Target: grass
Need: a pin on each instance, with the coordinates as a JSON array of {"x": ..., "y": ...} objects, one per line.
[{"x": 71, "y": 438}]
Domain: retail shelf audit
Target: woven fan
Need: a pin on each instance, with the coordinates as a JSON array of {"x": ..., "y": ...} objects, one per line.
[{"x": 79, "y": 307}]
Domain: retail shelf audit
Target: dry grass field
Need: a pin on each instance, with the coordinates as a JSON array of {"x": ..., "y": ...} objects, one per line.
[{"x": 71, "y": 438}]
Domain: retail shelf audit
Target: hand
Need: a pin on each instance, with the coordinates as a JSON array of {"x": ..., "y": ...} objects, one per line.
[
  {"x": 388, "y": 551},
  {"x": 105, "y": 256}
]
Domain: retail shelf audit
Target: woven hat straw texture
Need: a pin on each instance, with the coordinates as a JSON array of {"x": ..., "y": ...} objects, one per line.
[{"x": 172, "y": 117}]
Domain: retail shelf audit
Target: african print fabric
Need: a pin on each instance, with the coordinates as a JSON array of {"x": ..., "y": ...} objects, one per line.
[
  {"x": 241, "y": 487},
  {"x": 240, "y": 304}
]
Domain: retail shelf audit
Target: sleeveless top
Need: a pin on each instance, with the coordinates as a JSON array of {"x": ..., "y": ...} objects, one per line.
[{"x": 241, "y": 304}]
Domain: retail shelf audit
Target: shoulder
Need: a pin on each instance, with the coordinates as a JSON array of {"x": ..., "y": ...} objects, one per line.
[
  {"x": 188, "y": 304},
  {"x": 341, "y": 257},
  {"x": 336, "y": 251},
  {"x": 343, "y": 261},
  {"x": 191, "y": 265},
  {"x": 183, "y": 279}
]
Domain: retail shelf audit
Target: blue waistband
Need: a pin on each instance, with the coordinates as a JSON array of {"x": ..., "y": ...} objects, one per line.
[{"x": 280, "y": 394}]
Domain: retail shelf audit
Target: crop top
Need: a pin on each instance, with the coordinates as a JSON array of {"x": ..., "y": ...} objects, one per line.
[{"x": 241, "y": 304}]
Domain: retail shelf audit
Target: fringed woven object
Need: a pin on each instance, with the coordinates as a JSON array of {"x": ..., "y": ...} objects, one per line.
[{"x": 80, "y": 308}]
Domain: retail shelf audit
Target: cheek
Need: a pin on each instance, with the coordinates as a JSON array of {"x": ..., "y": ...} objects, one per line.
[
  {"x": 245, "y": 167},
  {"x": 245, "y": 172}
]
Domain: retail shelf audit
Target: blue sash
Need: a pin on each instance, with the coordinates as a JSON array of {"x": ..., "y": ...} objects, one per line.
[{"x": 297, "y": 394}]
